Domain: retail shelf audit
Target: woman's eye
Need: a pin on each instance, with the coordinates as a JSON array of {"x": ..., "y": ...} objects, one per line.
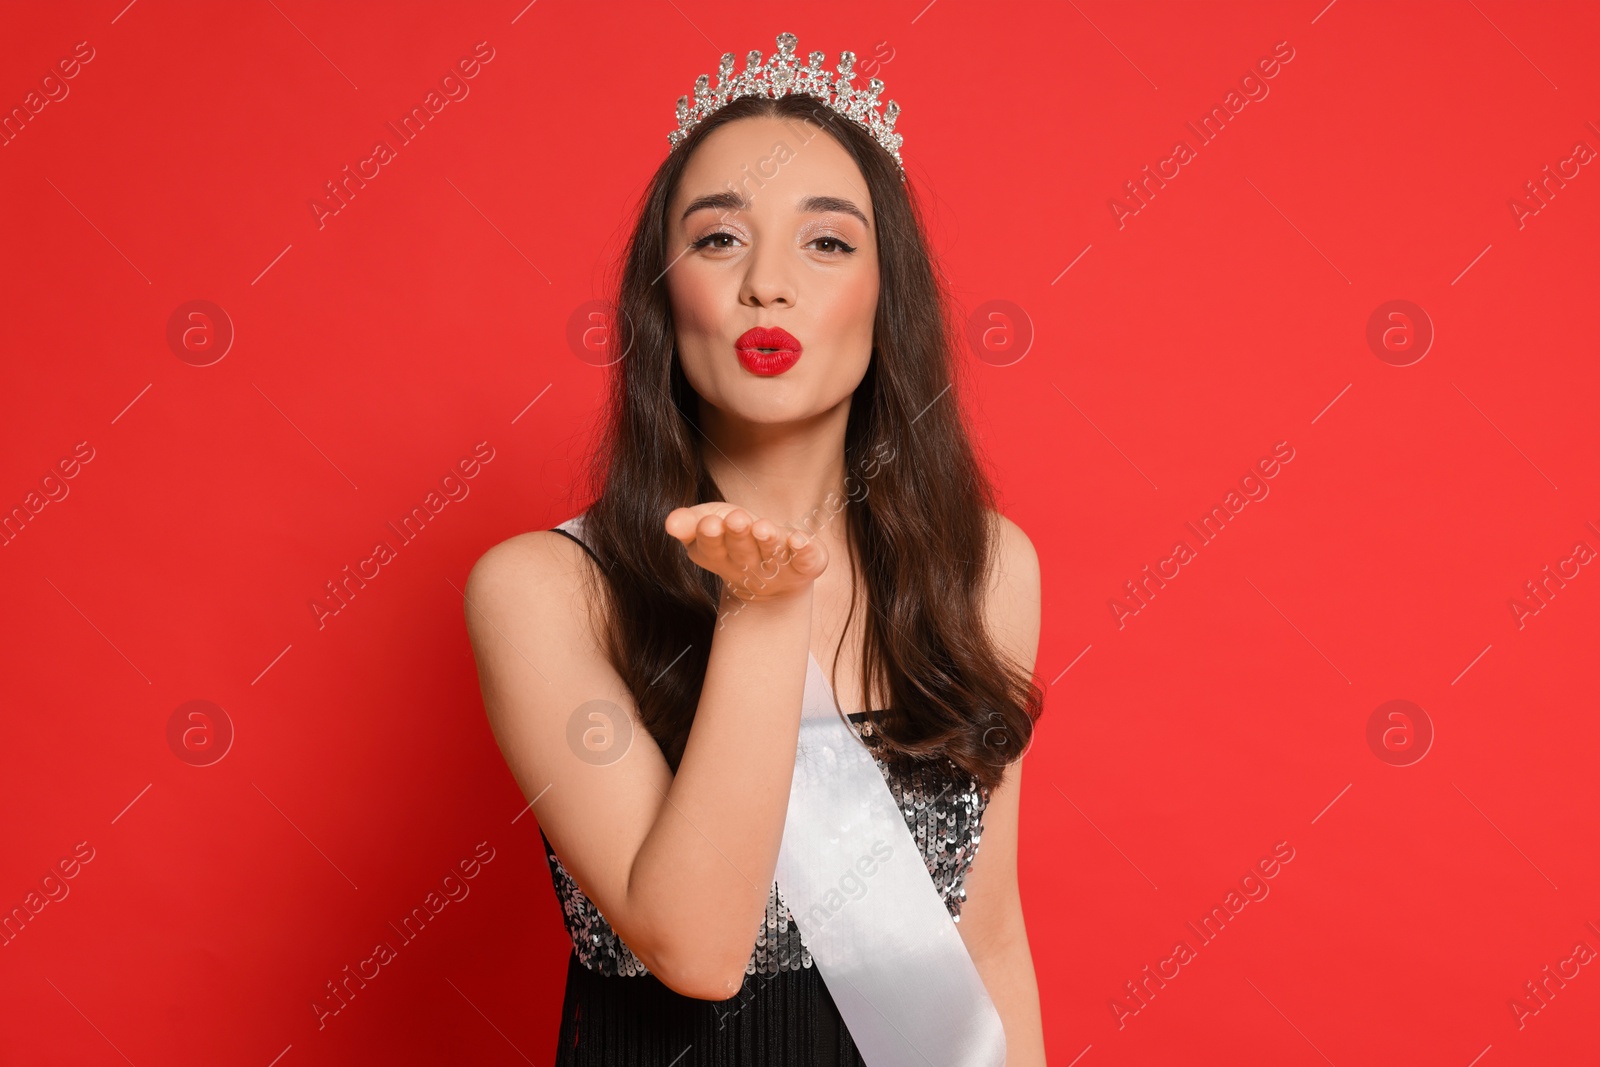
[
  {"x": 706, "y": 241},
  {"x": 836, "y": 246}
]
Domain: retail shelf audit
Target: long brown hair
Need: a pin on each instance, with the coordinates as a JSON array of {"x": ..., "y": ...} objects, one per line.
[{"x": 920, "y": 535}]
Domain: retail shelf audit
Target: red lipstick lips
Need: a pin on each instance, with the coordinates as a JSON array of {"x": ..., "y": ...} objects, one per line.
[{"x": 767, "y": 350}]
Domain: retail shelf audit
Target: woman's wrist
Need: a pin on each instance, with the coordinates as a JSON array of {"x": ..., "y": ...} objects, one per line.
[{"x": 737, "y": 601}]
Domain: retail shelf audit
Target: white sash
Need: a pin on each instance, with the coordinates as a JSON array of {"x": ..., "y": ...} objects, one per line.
[
  {"x": 867, "y": 909},
  {"x": 866, "y": 906}
]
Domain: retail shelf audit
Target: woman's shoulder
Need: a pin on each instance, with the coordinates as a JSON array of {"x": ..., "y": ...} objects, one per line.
[
  {"x": 528, "y": 554},
  {"x": 1015, "y": 554},
  {"x": 548, "y": 562},
  {"x": 1013, "y": 592}
]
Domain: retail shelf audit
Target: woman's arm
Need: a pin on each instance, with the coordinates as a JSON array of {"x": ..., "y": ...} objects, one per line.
[
  {"x": 681, "y": 866},
  {"x": 992, "y": 928},
  {"x": 991, "y": 923}
]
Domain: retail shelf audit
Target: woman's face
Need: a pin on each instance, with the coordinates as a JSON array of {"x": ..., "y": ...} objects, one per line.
[{"x": 772, "y": 226}]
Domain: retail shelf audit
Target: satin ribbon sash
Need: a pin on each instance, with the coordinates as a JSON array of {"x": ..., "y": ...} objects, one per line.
[{"x": 860, "y": 892}]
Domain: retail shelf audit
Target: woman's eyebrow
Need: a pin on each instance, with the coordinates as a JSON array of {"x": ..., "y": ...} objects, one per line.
[
  {"x": 728, "y": 201},
  {"x": 735, "y": 201},
  {"x": 833, "y": 203}
]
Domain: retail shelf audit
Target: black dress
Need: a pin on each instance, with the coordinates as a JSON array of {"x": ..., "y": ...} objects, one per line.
[{"x": 615, "y": 1013}]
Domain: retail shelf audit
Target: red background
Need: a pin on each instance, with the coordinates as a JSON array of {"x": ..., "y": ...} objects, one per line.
[{"x": 373, "y": 352}]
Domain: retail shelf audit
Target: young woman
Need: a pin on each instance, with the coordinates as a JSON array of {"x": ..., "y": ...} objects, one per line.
[{"x": 783, "y": 479}]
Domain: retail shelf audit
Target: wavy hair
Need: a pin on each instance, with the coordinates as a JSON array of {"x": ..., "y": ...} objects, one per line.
[{"x": 920, "y": 537}]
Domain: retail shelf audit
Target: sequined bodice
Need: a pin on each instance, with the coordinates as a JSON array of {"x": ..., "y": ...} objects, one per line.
[{"x": 943, "y": 809}]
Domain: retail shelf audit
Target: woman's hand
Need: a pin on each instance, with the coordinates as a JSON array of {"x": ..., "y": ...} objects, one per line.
[{"x": 757, "y": 559}]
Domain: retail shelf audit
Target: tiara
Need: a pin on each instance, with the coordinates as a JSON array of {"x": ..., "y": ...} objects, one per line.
[{"x": 782, "y": 75}]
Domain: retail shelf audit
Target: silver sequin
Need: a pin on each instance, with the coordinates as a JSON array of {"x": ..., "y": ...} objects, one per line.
[{"x": 943, "y": 809}]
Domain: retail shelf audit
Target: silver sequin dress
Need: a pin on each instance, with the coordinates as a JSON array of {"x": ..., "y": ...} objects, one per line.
[{"x": 943, "y": 810}]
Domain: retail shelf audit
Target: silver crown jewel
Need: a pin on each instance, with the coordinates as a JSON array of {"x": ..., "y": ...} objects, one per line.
[{"x": 782, "y": 75}]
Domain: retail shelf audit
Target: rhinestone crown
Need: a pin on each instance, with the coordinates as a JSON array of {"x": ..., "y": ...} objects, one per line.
[{"x": 782, "y": 75}]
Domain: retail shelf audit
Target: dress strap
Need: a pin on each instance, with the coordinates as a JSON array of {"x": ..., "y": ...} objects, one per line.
[{"x": 573, "y": 529}]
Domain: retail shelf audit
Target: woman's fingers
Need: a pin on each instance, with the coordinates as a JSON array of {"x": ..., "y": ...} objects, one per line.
[
  {"x": 683, "y": 523},
  {"x": 770, "y": 541},
  {"x": 709, "y": 534},
  {"x": 739, "y": 541},
  {"x": 807, "y": 555},
  {"x": 747, "y": 552}
]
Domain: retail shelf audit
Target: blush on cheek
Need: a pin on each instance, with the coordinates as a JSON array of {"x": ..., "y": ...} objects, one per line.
[
  {"x": 697, "y": 308},
  {"x": 861, "y": 311}
]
